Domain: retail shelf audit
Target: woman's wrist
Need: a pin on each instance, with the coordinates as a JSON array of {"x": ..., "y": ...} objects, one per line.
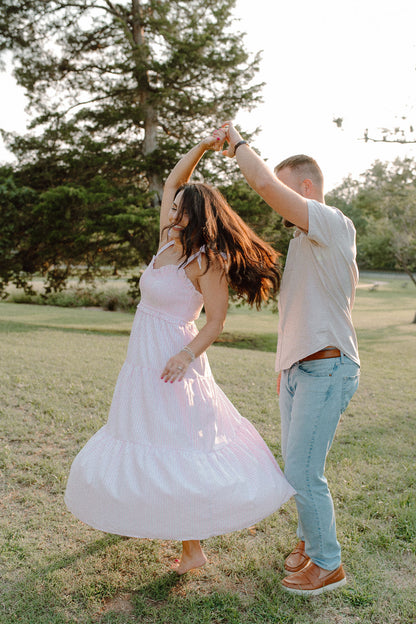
[
  {"x": 207, "y": 144},
  {"x": 203, "y": 144},
  {"x": 189, "y": 352}
]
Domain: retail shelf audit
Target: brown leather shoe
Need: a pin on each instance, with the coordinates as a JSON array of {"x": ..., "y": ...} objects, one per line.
[
  {"x": 314, "y": 580},
  {"x": 297, "y": 559}
]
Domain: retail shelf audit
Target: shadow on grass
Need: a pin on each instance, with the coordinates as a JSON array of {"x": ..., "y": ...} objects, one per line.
[
  {"x": 7, "y": 327},
  {"x": 43, "y": 597},
  {"x": 186, "y": 609},
  {"x": 255, "y": 342},
  {"x": 38, "y": 598},
  {"x": 367, "y": 338},
  {"x": 268, "y": 605}
]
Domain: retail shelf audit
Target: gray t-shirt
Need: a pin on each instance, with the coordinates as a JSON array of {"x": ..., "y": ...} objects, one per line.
[{"x": 318, "y": 288}]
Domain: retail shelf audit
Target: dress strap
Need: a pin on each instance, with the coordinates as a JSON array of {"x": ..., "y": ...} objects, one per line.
[
  {"x": 168, "y": 244},
  {"x": 196, "y": 255}
]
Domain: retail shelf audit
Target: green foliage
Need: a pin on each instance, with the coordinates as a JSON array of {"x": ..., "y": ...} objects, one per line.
[
  {"x": 124, "y": 87},
  {"x": 71, "y": 230},
  {"x": 383, "y": 207},
  {"x": 134, "y": 286},
  {"x": 117, "y": 92},
  {"x": 75, "y": 297},
  {"x": 15, "y": 207}
]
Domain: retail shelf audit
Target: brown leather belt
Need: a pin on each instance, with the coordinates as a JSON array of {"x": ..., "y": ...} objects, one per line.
[{"x": 320, "y": 355}]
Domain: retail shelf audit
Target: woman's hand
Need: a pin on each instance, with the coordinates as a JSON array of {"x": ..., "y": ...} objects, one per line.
[
  {"x": 215, "y": 141},
  {"x": 175, "y": 368}
]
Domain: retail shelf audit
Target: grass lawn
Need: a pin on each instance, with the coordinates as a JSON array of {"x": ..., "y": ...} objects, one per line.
[{"x": 58, "y": 368}]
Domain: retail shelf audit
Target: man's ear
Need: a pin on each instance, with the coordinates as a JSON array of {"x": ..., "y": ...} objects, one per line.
[{"x": 307, "y": 187}]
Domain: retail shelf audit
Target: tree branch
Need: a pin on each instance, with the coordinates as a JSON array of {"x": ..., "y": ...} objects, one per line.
[
  {"x": 112, "y": 9},
  {"x": 386, "y": 140}
]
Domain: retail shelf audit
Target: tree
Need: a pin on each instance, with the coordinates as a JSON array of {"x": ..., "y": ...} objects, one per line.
[
  {"x": 15, "y": 203},
  {"x": 119, "y": 90},
  {"x": 69, "y": 230},
  {"x": 398, "y": 134},
  {"x": 139, "y": 79},
  {"x": 383, "y": 207}
]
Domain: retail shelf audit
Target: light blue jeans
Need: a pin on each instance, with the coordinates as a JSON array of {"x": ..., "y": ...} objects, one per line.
[{"x": 313, "y": 396}]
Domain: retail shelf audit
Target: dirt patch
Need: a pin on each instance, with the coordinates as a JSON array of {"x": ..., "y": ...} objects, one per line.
[{"x": 119, "y": 604}]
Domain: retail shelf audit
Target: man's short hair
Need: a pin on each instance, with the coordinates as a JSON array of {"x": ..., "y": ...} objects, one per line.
[{"x": 306, "y": 166}]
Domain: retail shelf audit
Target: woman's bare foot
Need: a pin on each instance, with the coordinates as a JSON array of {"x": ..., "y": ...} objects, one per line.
[{"x": 192, "y": 557}]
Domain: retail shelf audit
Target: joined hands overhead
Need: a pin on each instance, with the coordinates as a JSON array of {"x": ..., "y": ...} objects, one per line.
[{"x": 219, "y": 137}]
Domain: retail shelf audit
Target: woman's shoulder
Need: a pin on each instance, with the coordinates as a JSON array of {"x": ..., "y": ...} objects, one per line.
[{"x": 202, "y": 261}]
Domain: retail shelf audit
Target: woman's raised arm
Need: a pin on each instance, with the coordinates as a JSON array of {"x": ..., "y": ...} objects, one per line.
[{"x": 182, "y": 172}]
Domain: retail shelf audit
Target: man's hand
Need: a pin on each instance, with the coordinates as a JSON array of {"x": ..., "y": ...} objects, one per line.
[
  {"x": 232, "y": 138},
  {"x": 279, "y": 379}
]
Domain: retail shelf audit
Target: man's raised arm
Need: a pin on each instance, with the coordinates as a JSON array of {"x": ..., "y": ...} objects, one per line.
[{"x": 290, "y": 204}]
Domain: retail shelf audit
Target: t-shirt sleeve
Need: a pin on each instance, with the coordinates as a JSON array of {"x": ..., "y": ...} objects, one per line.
[{"x": 326, "y": 223}]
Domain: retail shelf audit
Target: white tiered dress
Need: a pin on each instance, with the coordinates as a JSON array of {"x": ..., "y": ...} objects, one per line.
[{"x": 175, "y": 460}]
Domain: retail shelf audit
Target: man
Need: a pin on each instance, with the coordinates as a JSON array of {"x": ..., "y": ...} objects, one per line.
[{"x": 317, "y": 353}]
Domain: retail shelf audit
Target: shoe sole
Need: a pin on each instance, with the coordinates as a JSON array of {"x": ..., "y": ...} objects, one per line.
[{"x": 315, "y": 592}]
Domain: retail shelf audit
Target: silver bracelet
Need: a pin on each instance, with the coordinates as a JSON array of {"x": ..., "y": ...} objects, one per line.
[{"x": 189, "y": 352}]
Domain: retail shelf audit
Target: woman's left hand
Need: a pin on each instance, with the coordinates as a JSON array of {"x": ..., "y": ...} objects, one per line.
[
  {"x": 216, "y": 140},
  {"x": 175, "y": 368}
]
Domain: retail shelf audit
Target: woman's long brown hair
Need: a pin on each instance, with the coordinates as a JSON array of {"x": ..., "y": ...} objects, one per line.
[{"x": 251, "y": 265}]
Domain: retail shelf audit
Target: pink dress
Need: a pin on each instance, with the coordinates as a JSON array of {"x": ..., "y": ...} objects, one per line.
[{"x": 174, "y": 461}]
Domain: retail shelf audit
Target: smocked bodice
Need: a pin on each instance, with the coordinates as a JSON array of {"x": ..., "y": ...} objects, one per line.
[{"x": 169, "y": 292}]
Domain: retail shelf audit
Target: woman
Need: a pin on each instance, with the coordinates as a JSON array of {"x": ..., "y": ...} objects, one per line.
[{"x": 175, "y": 459}]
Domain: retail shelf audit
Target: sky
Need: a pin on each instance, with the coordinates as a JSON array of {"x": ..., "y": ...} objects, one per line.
[
  {"x": 321, "y": 60},
  {"x": 326, "y": 59}
]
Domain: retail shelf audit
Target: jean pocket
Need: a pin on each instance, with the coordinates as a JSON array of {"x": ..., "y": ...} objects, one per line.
[
  {"x": 349, "y": 387},
  {"x": 319, "y": 368}
]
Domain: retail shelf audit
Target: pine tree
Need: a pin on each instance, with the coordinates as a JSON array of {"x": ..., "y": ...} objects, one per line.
[
  {"x": 117, "y": 91},
  {"x": 123, "y": 88}
]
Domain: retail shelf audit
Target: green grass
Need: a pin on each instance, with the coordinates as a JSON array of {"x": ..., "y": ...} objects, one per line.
[{"x": 58, "y": 368}]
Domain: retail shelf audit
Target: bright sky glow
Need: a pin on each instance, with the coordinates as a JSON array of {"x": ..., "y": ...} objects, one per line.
[
  {"x": 321, "y": 60},
  {"x": 327, "y": 59}
]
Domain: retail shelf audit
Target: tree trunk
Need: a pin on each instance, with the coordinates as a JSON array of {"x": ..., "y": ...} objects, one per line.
[
  {"x": 151, "y": 121},
  {"x": 149, "y": 145},
  {"x": 404, "y": 266}
]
